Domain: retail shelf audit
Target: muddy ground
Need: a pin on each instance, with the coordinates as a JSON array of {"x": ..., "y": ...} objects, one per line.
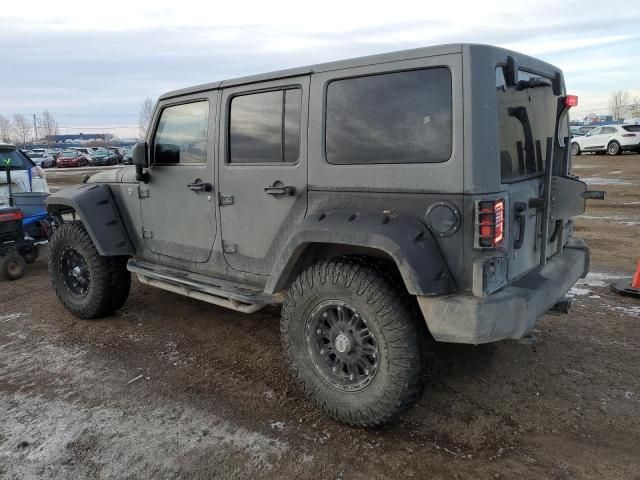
[{"x": 174, "y": 388}]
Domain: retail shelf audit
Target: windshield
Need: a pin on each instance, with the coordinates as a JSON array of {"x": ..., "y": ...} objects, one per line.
[
  {"x": 69, "y": 153},
  {"x": 35, "y": 154},
  {"x": 527, "y": 118},
  {"x": 101, "y": 152},
  {"x": 17, "y": 160}
]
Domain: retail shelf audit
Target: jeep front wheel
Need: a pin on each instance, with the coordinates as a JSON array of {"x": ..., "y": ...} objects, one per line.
[
  {"x": 88, "y": 284},
  {"x": 352, "y": 340}
]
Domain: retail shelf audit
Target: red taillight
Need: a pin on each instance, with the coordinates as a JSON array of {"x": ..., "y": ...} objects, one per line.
[
  {"x": 10, "y": 216},
  {"x": 571, "y": 101},
  {"x": 490, "y": 223}
]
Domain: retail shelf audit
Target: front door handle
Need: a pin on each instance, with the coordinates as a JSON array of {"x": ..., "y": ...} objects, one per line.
[
  {"x": 199, "y": 186},
  {"x": 284, "y": 190}
]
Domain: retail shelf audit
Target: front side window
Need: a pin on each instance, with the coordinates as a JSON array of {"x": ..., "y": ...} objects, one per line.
[
  {"x": 391, "y": 118},
  {"x": 181, "y": 136},
  {"x": 265, "y": 127}
]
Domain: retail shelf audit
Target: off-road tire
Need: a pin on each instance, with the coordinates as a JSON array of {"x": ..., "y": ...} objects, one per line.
[
  {"x": 388, "y": 309},
  {"x": 12, "y": 266},
  {"x": 31, "y": 254},
  {"x": 614, "y": 148},
  {"x": 109, "y": 280},
  {"x": 575, "y": 149}
]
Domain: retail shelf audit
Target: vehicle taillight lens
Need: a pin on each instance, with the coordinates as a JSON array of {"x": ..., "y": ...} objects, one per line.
[
  {"x": 10, "y": 216},
  {"x": 571, "y": 101},
  {"x": 490, "y": 223}
]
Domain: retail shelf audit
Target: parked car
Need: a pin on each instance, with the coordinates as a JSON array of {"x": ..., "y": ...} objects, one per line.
[
  {"x": 39, "y": 156},
  {"x": 50, "y": 161},
  {"x": 117, "y": 153},
  {"x": 83, "y": 150},
  {"x": 127, "y": 158},
  {"x": 610, "y": 139},
  {"x": 385, "y": 202},
  {"x": 21, "y": 179},
  {"x": 102, "y": 156},
  {"x": 71, "y": 158}
]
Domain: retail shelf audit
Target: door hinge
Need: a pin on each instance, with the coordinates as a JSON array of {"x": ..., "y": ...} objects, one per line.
[
  {"x": 229, "y": 247},
  {"x": 146, "y": 233},
  {"x": 143, "y": 193},
  {"x": 226, "y": 199}
]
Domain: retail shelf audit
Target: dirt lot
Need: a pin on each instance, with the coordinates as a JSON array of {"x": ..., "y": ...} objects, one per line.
[{"x": 174, "y": 388}]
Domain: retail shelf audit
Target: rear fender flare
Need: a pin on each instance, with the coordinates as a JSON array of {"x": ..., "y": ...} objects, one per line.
[
  {"x": 98, "y": 211},
  {"x": 405, "y": 240}
]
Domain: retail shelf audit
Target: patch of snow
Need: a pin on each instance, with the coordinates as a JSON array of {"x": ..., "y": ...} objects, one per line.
[
  {"x": 10, "y": 317},
  {"x": 599, "y": 279},
  {"x": 605, "y": 181},
  {"x": 578, "y": 292}
]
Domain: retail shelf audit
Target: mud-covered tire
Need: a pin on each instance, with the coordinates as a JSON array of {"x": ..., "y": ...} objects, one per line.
[
  {"x": 12, "y": 266},
  {"x": 398, "y": 379},
  {"x": 575, "y": 149},
  {"x": 106, "y": 281}
]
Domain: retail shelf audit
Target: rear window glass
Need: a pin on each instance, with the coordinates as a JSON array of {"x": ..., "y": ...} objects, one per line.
[
  {"x": 526, "y": 120},
  {"x": 632, "y": 128},
  {"x": 400, "y": 117}
]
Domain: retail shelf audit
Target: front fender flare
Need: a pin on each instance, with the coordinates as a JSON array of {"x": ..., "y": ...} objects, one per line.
[
  {"x": 406, "y": 240},
  {"x": 98, "y": 211}
]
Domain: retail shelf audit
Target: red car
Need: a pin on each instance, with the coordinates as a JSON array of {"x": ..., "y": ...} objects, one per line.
[{"x": 71, "y": 158}]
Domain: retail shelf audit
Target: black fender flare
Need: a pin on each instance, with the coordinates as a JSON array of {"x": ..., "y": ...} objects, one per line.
[
  {"x": 406, "y": 240},
  {"x": 95, "y": 205}
]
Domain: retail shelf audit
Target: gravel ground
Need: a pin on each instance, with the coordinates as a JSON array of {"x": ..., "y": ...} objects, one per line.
[{"x": 174, "y": 388}]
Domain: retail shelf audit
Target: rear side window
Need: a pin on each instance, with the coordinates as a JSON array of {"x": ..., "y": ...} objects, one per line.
[
  {"x": 265, "y": 127},
  {"x": 608, "y": 130},
  {"x": 632, "y": 128},
  {"x": 400, "y": 117},
  {"x": 181, "y": 136}
]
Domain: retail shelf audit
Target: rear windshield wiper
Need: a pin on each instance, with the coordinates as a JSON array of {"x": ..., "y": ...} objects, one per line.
[{"x": 533, "y": 82}]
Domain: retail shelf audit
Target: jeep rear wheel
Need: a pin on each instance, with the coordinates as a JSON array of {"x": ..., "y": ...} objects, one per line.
[
  {"x": 352, "y": 340},
  {"x": 88, "y": 284}
]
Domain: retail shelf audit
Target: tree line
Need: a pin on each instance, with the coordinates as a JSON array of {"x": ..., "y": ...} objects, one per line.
[{"x": 22, "y": 129}]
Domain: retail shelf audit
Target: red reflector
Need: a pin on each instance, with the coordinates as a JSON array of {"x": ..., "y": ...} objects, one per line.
[
  {"x": 10, "y": 216},
  {"x": 571, "y": 101}
]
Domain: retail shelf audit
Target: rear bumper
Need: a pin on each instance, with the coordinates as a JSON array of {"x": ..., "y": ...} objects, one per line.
[{"x": 511, "y": 312}]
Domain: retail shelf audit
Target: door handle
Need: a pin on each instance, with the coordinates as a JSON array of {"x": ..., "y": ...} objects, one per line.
[
  {"x": 199, "y": 186},
  {"x": 285, "y": 190},
  {"x": 520, "y": 208}
]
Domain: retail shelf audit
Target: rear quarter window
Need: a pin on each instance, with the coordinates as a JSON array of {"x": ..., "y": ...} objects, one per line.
[
  {"x": 632, "y": 128},
  {"x": 390, "y": 118}
]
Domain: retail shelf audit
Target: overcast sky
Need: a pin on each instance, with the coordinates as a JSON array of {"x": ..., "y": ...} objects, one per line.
[{"x": 92, "y": 65}]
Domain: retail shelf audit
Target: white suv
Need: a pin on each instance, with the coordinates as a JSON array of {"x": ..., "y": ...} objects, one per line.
[{"x": 612, "y": 139}]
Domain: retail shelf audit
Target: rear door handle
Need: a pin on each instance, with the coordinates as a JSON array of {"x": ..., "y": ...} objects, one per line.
[
  {"x": 520, "y": 208},
  {"x": 285, "y": 190},
  {"x": 199, "y": 186}
]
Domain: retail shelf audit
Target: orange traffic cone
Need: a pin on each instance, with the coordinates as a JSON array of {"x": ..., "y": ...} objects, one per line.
[{"x": 629, "y": 286}]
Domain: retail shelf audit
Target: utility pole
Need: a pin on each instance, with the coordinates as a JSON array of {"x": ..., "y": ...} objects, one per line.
[{"x": 35, "y": 126}]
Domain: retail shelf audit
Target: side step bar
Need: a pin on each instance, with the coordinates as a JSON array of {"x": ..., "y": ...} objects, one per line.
[{"x": 218, "y": 292}]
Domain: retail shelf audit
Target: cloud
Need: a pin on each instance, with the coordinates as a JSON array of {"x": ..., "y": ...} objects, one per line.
[{"x": 95, "y": 66}]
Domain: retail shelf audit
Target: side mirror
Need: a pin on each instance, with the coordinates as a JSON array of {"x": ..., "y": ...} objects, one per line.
[{"x": 141, "y": 161}]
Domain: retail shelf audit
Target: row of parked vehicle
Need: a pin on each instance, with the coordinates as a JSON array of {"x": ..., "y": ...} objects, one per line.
[
  {"x": 610, "y": 139},
  {"x": 79, "y": 156}
]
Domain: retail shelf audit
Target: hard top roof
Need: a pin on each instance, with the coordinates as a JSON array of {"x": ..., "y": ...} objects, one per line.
[
  {"x": 410, "y": 54},
  {"x": 321, "y": 67}
]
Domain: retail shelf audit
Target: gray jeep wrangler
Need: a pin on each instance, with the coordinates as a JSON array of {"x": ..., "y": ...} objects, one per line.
[{"x": 386, "y": 202}]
